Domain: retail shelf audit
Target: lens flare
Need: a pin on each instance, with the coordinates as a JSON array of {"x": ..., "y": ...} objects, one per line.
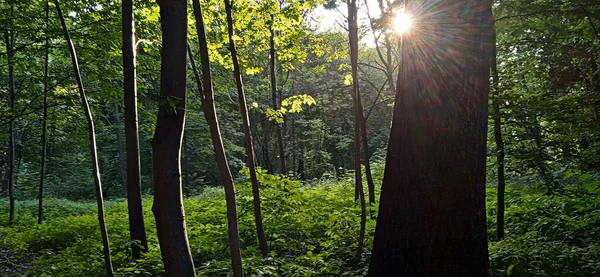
[{"x": 402, "y": 22}]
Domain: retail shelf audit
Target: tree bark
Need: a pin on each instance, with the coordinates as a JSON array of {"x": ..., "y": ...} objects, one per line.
[
  {"x": 215, "y": 133},
  {"x": 44, "y": 124},
  {"x": 432, "y": 219},
  {"x": 274, "y": 98},
  {"x": 93, "y": 147},
  {"x": 265, "y": 144},
  {"x": 137, "y": 230},
  {"x": 359, "y": 193},
  {"x": 366, "y": 158},
  {"x": 250, "y": 157},
  {"x": 122, "y": 169},
  {"x": 10, "y": 42},
  {"x": 499, "y": 144},
  {"x": 596, "y": 88},
  {"x": 166, "y": 145}
]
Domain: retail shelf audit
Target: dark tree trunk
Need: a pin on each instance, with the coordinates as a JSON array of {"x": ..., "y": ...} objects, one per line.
[
  {"x": 186, "y": 165},
  {"x": 4, "y": 170},
  {"x": 265, "y": 144},
  {"x": 225, "y": 173},
  {"x": 250, "y": 158},
  {"x": 499, "y": 144},
  {"x": 137, "y": 230},
  {"x": 359, "y": 193},
  {"x": 432, "y": 212},
  {"x": 166, "y": 144},
  {"x": 93, "y": 147},
  {"x": 274, "y": 98},
  {"x": 44, "y": 125},
  {"x": 366, "y": 158},
  {"x": 122, "y": 169},
  {"x": 596, "y": 88},
  {"x": 10, "y": 173}
]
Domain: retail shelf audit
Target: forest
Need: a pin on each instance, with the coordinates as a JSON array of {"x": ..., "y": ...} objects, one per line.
[{"x": 300, "y": 138}]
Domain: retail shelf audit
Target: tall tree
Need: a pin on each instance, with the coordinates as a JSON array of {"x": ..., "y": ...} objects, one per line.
[
  {"x": 359, "y": 193},
  {"x": 137, "y": 230},
  {"x": 166, "y": 144},
  {"x": 93, "y": 147},
  {"x": 250, "y": 157},
  {"x": 274, "y": 98},
  {"x": 10, "y": 174},
  {"x": 432, "y": 212},
  {"x": 499, "y": 143},
  {"x": 210, "y": 113},
  {"x": 44, "y": 122},
  {"x": 122, "y": 168}
]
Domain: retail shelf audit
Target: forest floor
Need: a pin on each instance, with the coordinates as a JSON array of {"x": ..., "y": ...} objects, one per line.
[
  {"x": 311, "y": 231},
  {"x": 15, "y": 263}
]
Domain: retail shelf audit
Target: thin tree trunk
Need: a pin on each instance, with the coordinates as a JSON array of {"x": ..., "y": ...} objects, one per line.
[
  {"x": 186, "y": 165},
  {"x": 365, "y": 145},
  {"x": 431, "y": 218},
  {"x": 359, "y": 193},
  {"x": 3, "y": 178},
  {"x": 274, "y": 98},
  {"x": 596, "y": 88},
  {"x": 122, "y": 169},
  {"x": 10, "y": 42},
  {"x": 225, "y": 173},
  {"x": 137, "y": 230},
  {"x": 93, "y": 147},
  {"x": 499, "y": 144},
  {"x": 166, "y": 144},
  {"x": 250, "y": 158},
  {"x": 44, "y": 125},
  {"x": 265, "y": 144}
]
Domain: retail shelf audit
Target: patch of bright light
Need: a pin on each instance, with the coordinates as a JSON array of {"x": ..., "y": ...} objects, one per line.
[{"x": 402, "y": 22}]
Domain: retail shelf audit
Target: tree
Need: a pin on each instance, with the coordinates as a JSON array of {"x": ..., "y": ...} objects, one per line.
[
  {"x": 211, "y": 117},
  {"x": 274, "y": 98},
  {"x": 250, "y": 157},
  {"x": 359, "y": 120},
  {"x": 499, "y": 143},
  {"x": 166, "y": 144},
  {"x": 44, "y": 123},
  {"x": 93, "y": 147},
  {"x": 137, "y": 230},
  {"x": 117, "y": 125},
  {"x": 432, "y": 214},
  {"x": 10, "y": 174}
]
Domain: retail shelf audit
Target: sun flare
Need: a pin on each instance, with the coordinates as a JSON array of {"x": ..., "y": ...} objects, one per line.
[{"x": 402, "y": 22}]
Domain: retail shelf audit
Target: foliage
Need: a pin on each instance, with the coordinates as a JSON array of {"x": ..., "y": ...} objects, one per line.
[
  {"x": 305, "y": 237},
  {"x": 547, "y": 236},
  {"x": 311, "y": 230}
]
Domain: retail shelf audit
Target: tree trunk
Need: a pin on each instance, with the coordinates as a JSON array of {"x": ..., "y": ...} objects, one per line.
[
  {"x": 274, "y": 98},
  {"x": 432, "y": 211},
  {"x": 250, "y": 158},
  {"x": 225, "y": 173},
  {"x": 44, "y": 125},
  {"x": 499, "y": 144},
  {"x": 137, "y": 230},
  {"x": 359, "y": 193},
  {"x": 10, "y": 42},
  {"x": 366, "y": 158},
  {"x": 93, "y": 147},
  {"x": 122, "y": 169},
  {"x": 166, "y": 144},
  {"x": 596, "y": 88},
  {"x": 265, "y": 144},
  {"x": 3, "y": 178}
]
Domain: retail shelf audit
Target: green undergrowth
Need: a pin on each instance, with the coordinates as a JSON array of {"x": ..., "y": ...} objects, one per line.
[{"x": 311, "y": 230}]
